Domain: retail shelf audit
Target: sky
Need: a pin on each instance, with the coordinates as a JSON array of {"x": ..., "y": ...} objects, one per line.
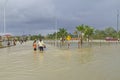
[{"x": 23, "y": 17}]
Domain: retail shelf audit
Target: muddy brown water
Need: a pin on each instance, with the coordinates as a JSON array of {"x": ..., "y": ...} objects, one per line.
[{"x": 96, "y": 63}]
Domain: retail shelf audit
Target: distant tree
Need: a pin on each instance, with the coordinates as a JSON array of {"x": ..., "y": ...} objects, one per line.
[
  {"x": 118, "y": 34},
  {"x": 99, "y": 34},
  {"x": 110, "y": 32},
  {"x": 33, "y": 37},
  {"x": 50, "y": 36}
]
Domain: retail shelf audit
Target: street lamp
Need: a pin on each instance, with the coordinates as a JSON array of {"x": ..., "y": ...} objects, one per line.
[
  {"x": 5, "y": 4},
  {"x": 117, "y": 23},
  {"x": 56, "y": 30}
]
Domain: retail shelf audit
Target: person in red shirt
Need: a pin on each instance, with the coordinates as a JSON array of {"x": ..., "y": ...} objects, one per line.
[{"x": 35, "y": 45}]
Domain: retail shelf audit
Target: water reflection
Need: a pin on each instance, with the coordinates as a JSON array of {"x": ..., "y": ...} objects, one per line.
[
  {"x": 67, "y": 55},
  {"x": 8, "y": 49},
  {"x": 85, "y": 55},
  {"x": 35, "y": 55},
  {"x": 22, "y": 63},
  {"x": 41, "y": 57},
  {"x": 38, "y": 56}
]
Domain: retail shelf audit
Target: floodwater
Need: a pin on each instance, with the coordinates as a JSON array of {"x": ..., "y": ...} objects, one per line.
[{"x": 96, "y": 63}]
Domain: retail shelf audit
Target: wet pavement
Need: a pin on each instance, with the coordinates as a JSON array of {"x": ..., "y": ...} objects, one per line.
[{"x": 96, "y": 63}]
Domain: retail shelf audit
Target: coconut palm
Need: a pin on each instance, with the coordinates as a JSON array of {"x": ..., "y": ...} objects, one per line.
[
  {"x": 62, "y": 33},
  {"x": 80, "y": 32},
  {"x": 88, "y": 32},
  {"x": 76, "y": 33}
]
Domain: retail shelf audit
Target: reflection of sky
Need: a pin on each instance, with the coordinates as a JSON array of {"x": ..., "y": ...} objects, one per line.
[{"x": 39, "y": 16}]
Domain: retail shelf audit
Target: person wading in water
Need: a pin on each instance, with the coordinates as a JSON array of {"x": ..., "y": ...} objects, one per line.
[
  {"x": 35, "y": 45},
  {"x": 41, "y": 45}
]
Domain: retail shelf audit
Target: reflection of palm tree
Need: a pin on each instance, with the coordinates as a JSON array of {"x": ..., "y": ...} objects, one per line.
[
  {"x": 41, "y": 57},
  {"x": 86, "y": 55}
]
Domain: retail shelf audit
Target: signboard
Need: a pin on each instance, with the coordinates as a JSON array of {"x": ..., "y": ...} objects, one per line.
[{"x": 68, "y": 37}]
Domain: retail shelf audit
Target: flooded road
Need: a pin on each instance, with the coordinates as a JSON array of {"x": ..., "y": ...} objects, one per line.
[{"x": 97, "y": 63}]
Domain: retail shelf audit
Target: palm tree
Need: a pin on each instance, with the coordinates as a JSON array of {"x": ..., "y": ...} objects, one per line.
[
  {"x": 88, "y": 32},
  {"x": 76, "y": 33},
  {"x": 62, "y": 33},
  {"x": 80, "y": 32}
]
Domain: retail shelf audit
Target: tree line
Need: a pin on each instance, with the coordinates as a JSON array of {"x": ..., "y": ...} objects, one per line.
[
  {"x": 81, "y": 32},
  {"x": 85, "y": 31}
]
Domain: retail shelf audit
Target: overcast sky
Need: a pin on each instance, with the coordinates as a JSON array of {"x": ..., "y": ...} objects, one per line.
[{"x": 45, "y": 16}]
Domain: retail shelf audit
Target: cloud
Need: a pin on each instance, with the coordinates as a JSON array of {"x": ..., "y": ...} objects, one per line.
[
  {"x": 29, "y": 13},
  {"x": 41, "y": 15},
  {"x": 30, "y": 9}
]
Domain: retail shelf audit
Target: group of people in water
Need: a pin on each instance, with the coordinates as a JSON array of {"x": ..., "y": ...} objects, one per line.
[
  {"x": 39, "y": 44},
  {"x": 14, "y": 41}
]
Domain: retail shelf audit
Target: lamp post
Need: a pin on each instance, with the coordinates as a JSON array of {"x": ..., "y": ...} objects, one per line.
[
  {"x": 4, "y": 26},
  {"x": 118, "y": 24},
  {"x": 56, "y": 31}
]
